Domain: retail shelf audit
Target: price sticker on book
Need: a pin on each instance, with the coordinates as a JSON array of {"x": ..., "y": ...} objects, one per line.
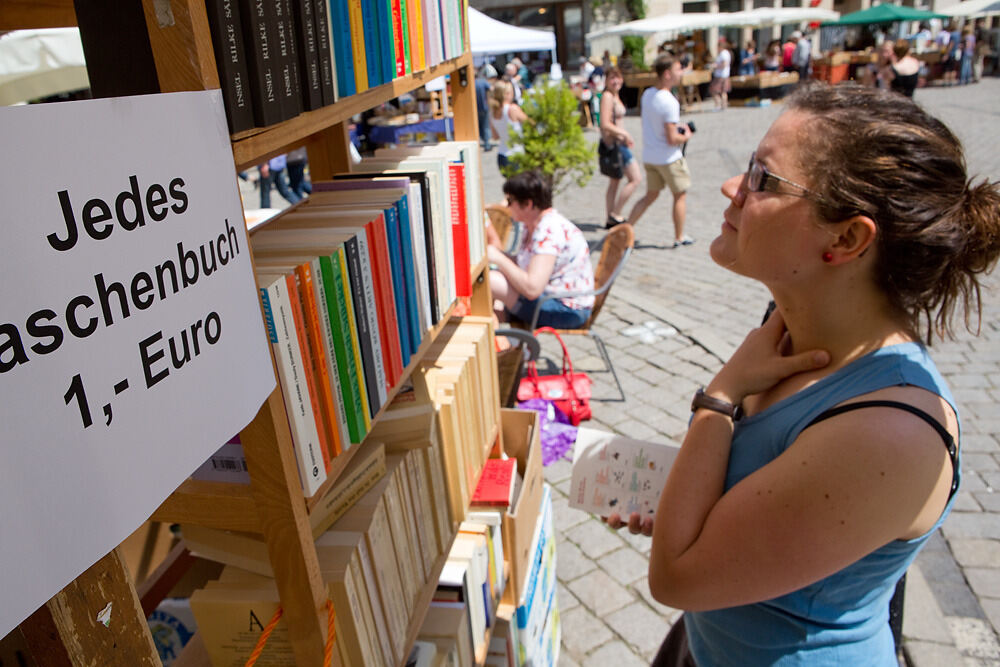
[{"x": 131, "y": 341}]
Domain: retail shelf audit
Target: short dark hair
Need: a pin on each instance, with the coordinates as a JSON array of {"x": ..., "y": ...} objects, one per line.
[
  {"x": 876, "y": 153},
  {"x": 663, "y": 62},
  {"x": 530, "y": 186}
]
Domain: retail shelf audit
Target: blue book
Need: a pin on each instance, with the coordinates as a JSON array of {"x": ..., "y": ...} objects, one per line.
[
  {"x": 370, "y": 17},
  {"x": 343, "y": 51},
  {"x": 399, "y": 284},
  {"x": 387, "y": 42},
  {"x": 409, "y": 271}
]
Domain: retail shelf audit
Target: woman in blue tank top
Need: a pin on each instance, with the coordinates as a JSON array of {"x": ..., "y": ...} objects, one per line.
[{"x": 824, "y": 453}]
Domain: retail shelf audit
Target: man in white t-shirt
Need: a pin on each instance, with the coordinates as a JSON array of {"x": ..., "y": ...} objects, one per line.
[{"x": 662, "y": 137}]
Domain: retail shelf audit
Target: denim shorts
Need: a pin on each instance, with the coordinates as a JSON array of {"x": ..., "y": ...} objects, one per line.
[
  {"x": 554, "y": 313},
  {"x": 627, "y": 157}
]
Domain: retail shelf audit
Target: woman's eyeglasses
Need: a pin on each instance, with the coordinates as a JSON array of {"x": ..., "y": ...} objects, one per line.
[{"x": 759, "y": 179}]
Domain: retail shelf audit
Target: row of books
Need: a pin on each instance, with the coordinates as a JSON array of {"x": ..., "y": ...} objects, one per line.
[
  {"x": 351, "y": 282},
  {"x": 278, "y": 58},
  {"x": 376, "y": 560}
]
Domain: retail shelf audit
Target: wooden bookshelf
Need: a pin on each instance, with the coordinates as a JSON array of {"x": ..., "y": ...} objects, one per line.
[{"x": 272, "y": 504}]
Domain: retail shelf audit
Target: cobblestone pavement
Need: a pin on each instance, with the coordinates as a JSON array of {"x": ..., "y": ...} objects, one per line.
[{"x": 702, "y": 312}]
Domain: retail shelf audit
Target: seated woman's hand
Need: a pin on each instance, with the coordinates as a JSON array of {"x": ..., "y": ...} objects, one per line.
[{"x": 636, "y": 524}]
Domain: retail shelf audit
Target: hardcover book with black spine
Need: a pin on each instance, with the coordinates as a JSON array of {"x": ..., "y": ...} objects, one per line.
[
  {"x": 259, "y": 40},
  {"x": 361, "y": 319},
  {"x": 307, "y": 47},
  {"x": 231, "y": 61},
  {"x": 324, "y": 51},
  {"x": 287, "y": 67}
]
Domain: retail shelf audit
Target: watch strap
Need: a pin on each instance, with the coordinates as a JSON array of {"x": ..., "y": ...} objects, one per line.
[{"x": 703, "y": 400}]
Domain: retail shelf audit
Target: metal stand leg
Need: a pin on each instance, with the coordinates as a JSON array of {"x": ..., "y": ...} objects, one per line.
[{"x": 603, "y": 351}]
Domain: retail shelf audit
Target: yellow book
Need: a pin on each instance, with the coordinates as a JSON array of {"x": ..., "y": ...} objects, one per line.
[
  {"x": 355, "y": 347},
  {"x": 358, "y": 46}
]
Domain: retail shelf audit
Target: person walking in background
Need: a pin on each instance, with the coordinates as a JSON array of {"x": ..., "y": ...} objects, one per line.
[
  {"x": 748, "y": 59},
  {"x": 484, "y": 79},
  {"x": 802, "y": 58},
  {"x": 615, "y": 136},
  {"x": 511, "y": 76},
  {"x": 663, "y": 135},
  {"x": 272, "y": 172},
  {"x": 772, "y": 57},
  {"x": 297, "y": 160},
  {"x": 505, "y": 116},
  {"x": 825, "y": 453},
  {"x": 720, "y": 85},
  {"x": 904, "y": 70},
  {"x": 787, "y": 49},
  {"x": 968, "y": 54}
]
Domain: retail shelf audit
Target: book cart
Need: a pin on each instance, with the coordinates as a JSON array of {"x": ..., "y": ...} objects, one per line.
[{"x": 65, "y": 630}]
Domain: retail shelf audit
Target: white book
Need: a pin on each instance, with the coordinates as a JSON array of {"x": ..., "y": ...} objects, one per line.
[
  {"x": 612, "y": 473},
  {"x": 284, "y": 338},
  {"x": 420, "y": 255}
]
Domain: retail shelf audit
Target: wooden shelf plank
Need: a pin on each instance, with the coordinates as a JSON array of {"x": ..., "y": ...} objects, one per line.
[
  {"x": 34, "y": 14},
  {"x": 211, "y": 504},
  {"x": 254, "y": 146}
]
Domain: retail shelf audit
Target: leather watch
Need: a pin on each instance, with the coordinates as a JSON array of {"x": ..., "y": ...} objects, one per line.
[{"x": 703, "y": 400}]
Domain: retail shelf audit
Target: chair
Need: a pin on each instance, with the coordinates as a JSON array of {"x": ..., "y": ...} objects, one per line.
[
  {"x": 506, "y": 228},
  {"x": 510, "y": 362},
  {"x": 615, "y": 251}
]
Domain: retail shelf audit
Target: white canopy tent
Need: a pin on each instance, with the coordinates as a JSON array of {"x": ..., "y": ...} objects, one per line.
[
  {"x": 489, "y": 37},
  {"x": 671, "y": 25},
  {"x": 39, "y": 63},
  {"x": 973, "y": 8}
]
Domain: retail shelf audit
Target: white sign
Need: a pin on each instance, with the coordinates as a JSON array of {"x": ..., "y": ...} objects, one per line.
[{"x": 131, "y": 340}]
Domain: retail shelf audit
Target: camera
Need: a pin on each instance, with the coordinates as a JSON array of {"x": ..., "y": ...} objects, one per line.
[{"x": 690, "y": 124}]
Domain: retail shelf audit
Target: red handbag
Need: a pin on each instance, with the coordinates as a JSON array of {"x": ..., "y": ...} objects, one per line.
[{"x": 570, "y": 392}]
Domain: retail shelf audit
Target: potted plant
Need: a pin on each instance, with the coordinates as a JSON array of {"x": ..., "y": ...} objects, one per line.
[{"x": 552, "y": 140}]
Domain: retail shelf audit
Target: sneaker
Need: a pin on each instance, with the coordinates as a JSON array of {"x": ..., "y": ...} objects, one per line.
[
  {"x": 687, "y": 240},
  {"x": 614, "y": 222}
]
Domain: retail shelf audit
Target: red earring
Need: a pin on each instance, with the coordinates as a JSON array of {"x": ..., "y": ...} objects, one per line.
[{"x": 828, "y": 256}]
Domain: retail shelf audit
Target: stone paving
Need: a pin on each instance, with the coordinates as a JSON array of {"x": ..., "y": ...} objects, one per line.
[{"x": 693, "y": 315}]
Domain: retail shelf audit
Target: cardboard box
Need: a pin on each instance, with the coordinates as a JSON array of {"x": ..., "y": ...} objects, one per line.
[{"x": 521, "y": 441}]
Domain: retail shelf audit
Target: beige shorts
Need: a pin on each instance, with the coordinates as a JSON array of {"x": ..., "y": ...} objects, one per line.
[{"x": 674, "y": 175}]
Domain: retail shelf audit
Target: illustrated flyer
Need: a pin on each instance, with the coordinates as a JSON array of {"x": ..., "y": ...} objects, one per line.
[{"x": 612, "y": 473}]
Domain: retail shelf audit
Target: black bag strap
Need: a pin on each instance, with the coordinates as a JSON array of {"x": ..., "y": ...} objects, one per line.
[{"x": 949, "y": 442}]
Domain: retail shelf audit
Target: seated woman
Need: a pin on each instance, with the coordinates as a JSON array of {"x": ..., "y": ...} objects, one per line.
[
  {"x": 552, "y": 258},
  {"x": 825, "y": 453}
]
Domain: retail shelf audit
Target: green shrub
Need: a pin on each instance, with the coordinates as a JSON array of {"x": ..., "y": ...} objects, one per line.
[{"x": 552, "y": 140}]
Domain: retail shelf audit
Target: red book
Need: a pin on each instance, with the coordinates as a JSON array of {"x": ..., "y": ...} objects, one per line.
[
  {"x": 496, "y": 484},
  {"x": 459, "y": 229},
  {"x": 397, "y": 37},
  {"x": 378, "y": 248}
]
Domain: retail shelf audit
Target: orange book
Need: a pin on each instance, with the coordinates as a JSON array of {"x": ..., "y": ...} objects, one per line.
[
  {"x": 315, "y": 361},
  {"x": 416, "y": 25}
]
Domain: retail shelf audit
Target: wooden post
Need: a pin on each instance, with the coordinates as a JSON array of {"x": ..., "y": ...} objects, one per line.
[{"x": 95, "y": 620}]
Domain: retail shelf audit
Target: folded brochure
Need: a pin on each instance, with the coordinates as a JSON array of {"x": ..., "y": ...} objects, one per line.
[{"x": 612, "y": 473}]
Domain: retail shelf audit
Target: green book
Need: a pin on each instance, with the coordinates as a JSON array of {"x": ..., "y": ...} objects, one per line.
[{"x": 347, "y": 370}]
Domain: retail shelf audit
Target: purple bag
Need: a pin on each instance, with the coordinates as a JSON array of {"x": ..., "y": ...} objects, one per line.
[{"x": 557, "y": 433}]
